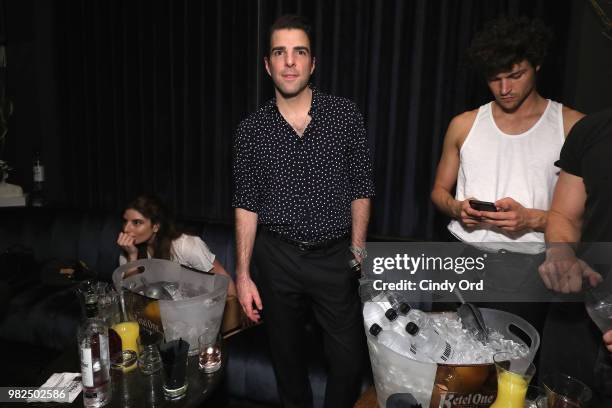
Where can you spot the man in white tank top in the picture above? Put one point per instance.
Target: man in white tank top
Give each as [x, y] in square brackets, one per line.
[504, 152]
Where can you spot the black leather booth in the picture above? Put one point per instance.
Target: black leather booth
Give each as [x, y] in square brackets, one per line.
[47, 317]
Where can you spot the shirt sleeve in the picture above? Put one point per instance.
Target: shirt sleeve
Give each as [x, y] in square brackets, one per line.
[571, 152]
[361, 174]
[244, 170]
[122, 260]
[192, 251]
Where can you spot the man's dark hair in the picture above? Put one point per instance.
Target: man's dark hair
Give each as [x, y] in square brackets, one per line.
[507, 41]
[294, 22]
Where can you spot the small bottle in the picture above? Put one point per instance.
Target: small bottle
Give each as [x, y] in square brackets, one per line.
[92, 338]
[396, 322]
[387, 300]
[37, 195]
[392, 340]
[428, 342]
[373, 313]
[414, 315]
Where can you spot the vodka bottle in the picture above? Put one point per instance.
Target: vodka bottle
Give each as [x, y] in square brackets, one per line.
[92, 338]
[428, 342]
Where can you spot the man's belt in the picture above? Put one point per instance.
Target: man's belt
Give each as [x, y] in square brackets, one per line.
[306, 245]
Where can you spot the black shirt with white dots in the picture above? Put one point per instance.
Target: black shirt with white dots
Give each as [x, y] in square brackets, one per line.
[302, 187]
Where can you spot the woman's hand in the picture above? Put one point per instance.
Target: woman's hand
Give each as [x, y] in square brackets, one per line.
[126, 242]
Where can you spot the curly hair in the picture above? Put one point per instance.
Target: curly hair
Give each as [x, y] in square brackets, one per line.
[505, 42]
[153, 208]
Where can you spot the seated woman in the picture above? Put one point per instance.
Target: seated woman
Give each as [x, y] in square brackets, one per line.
[149, 232]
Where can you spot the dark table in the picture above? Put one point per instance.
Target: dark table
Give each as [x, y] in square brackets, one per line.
[134, 389]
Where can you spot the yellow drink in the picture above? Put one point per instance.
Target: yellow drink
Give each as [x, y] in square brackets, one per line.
[129, 333]
[511, 390]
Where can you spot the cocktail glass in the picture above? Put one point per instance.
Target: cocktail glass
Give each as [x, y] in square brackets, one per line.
[513, 376]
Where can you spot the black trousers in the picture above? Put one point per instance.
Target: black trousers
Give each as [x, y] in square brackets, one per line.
[292, 281]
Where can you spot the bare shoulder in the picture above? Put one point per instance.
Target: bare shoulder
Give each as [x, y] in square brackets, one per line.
[570, 117]
[460, 126]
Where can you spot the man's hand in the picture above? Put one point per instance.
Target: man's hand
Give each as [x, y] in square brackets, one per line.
[512, 216]
[607, 338]
[563, 272]
[466, 214]
[126, 242]
[247, 294]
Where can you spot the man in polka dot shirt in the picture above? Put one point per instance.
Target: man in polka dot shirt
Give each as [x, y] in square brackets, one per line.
[303, 183]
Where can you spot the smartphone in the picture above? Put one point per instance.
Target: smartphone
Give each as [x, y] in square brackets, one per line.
[483, 205]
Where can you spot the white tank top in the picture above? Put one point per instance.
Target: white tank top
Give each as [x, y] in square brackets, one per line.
[494, 165]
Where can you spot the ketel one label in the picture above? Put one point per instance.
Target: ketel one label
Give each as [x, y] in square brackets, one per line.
[473, 400]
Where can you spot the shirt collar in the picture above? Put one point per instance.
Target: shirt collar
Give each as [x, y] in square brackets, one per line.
[314, 104]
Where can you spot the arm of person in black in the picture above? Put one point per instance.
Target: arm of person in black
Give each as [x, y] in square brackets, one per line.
[562, 271]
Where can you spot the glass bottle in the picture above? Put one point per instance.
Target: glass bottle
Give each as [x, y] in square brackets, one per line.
[37, 195]
[92, 338]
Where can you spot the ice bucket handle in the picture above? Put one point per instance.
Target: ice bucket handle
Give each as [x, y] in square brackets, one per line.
[508, 324]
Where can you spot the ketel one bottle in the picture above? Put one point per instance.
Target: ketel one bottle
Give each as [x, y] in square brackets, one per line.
[428, 342]
[92, 338]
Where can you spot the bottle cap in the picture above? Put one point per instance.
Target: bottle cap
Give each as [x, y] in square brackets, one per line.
[375, 329]
[404, 308]
[412, 328]
[391, 314]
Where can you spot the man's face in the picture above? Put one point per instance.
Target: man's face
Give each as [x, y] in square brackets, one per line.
[511, 88]
[290, 62]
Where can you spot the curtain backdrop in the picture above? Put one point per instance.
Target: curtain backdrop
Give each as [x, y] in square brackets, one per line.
[151, 91]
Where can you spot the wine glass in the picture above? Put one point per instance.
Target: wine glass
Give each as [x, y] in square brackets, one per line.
[598, 303]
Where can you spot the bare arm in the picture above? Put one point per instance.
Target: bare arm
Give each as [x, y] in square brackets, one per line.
[360, 214]
[448, 167]
[562, 271]
[570, 117]
[246, 228]
[565, 215]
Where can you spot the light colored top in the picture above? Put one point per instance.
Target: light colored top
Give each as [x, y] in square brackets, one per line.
[188, 250]
[10, 190]
[494, 165]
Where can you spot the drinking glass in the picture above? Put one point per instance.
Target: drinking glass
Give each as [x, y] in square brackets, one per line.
[513, 376]
[535, 397]
[149, 360]
[174, 368]
[563, 391]
[128, 333]
[210, 353]
[598, 303]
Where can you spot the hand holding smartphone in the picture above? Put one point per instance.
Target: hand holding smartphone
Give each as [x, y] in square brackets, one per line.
[483, 205]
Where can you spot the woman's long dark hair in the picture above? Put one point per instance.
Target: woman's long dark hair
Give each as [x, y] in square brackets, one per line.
[153, 208]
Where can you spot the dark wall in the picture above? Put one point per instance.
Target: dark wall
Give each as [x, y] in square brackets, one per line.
[144, 95]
